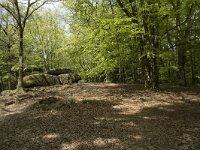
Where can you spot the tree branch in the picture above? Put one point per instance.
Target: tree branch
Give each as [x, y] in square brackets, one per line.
[4, 42]
[9, 10]
[18, 13]
[124, 9]
[29, 14]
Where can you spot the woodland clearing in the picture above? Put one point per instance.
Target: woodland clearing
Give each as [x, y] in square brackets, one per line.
[100, 116]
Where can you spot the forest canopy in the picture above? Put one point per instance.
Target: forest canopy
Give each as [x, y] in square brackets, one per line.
[149, 42]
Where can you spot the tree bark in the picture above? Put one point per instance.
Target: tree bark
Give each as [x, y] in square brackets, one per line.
[20, 86]
[9, 68]
[156, 70]
[192, 62]
[156, 46]
[181, 66]
[180, 49]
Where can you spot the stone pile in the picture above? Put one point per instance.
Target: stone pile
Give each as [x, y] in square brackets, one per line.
[52, 77]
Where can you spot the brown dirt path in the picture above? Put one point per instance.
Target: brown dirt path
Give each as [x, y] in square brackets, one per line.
[101, 117]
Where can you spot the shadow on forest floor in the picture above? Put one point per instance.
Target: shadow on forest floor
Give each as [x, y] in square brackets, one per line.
[129, 122]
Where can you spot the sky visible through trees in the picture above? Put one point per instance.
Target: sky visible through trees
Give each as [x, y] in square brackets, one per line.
[146, 42]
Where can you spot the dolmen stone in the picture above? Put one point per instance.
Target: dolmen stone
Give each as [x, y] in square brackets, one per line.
[40, 80]
[69, 78]
[52, 77]
[59, 71]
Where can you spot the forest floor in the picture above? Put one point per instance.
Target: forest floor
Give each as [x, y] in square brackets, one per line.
[101, 116]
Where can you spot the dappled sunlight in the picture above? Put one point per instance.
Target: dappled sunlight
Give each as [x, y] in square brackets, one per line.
[102, 142]
[99, 75]
[51, 136]
[72, 146]
[132, 107]
[126, 120]
[107, 119]
[136, 137]
[155, 118]
[14, 108]
[96, 143]
[166, 109]
[129, 124]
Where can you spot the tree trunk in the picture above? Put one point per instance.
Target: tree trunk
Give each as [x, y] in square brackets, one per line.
[145, 65]
[146, 72]
[9, 69]
[180, 49]
[192, 64]
[2, 83]
[181, 67]
[133, 72]
[20, 86]
[156, 46]
[45, 57]
[9, 66]
[155, 70]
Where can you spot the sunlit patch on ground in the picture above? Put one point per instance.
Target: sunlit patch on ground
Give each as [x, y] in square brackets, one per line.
[103, 142]
[51, 136]
[73, 145]
[101, 116]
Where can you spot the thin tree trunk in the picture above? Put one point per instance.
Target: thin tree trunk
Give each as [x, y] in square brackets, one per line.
[156, 46]
[9, 69]
[181, 67]
[180, 49]
[145, 67]
[192, 67]
[2, 83]
[51, 60]
[156, 70]
[133, 71]
[20, 86]
[120, 75]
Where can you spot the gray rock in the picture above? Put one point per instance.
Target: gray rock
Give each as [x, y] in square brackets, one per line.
[52, 80]
[65, 78]
[40, 80]
[69, 78]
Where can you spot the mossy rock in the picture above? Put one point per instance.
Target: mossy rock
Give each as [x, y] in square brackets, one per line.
[65, 79]
[40, 80]
[69, 78]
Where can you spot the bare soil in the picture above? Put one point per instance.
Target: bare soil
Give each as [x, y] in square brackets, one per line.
[101, 117]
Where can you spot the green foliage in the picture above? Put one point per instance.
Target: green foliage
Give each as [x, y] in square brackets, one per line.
[45, 39]
[103, 40]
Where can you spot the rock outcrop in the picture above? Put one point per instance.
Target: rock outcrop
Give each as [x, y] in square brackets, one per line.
[53, 77]
[40, 80]
[59, 71]
[69, 78]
